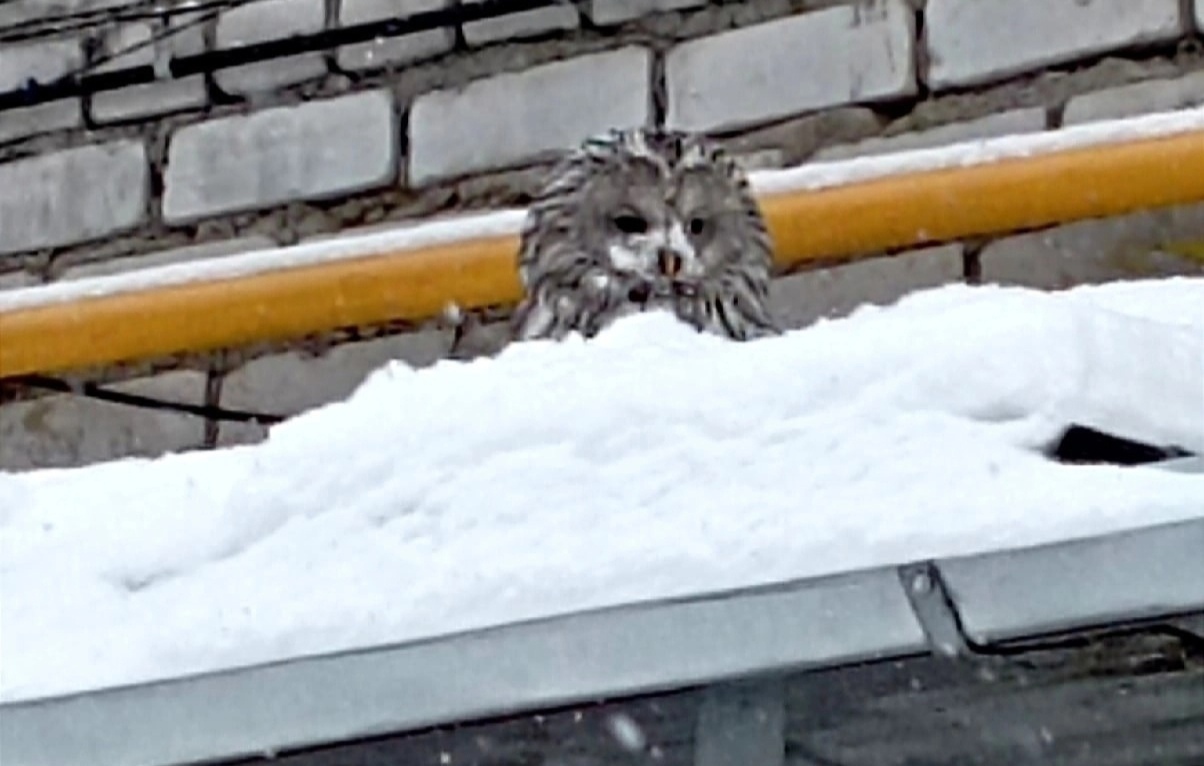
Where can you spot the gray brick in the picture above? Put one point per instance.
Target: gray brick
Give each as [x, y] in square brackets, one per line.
[14, 280]
[270, 20]
[1164, 242]
[761, 159]
[199, 252]
[1000, 124]
[393, 51]
[513, 118]
[65, 431]
[291, 383]
[522, 24]
[826, 58]
[44, 62]
[1138, 98]
[156, 98]
[316, 150]
[619, 11]
[1199, 15]
[371, 228]
[45, 118]
[977, 42]
[72, 196]
[21, 11]
[802, 298]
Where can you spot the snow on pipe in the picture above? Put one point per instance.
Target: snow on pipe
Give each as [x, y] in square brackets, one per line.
[910, 199]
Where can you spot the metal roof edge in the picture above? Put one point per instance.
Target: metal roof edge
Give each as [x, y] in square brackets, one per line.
[656, 646]
[1121, 577]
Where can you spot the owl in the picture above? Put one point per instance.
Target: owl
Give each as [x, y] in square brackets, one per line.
[645, 219]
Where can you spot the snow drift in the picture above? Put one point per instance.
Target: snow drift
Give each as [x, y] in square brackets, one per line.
[650, 462]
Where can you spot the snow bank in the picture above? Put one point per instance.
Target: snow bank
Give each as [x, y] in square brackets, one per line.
[651, 462]
[456, 228]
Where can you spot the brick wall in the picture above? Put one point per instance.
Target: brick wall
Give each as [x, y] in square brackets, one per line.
[399, 128]
[395, 129]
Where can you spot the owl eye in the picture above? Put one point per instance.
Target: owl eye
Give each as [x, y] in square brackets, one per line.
[696, 226]
[629, 223]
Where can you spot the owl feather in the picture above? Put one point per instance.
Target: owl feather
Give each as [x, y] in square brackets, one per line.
[645, 219]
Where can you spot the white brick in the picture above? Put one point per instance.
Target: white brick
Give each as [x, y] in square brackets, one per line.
[69, 431]
[315, 150]
[44, 61]
[397, 50]
[154, 98]
[72, 196]
[1155, 243]
[977, 41]
[199, 252]
[512, 118]
[522, 24]
[841, 55]
[1001, 124]
[802, 298]
[270, 20]
[1138, 98]
[290, 383]
[619, 11]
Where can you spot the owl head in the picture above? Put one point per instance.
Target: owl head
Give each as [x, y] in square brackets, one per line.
[644, 217]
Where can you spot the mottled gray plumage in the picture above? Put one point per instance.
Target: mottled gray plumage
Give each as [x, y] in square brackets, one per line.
[643, 219]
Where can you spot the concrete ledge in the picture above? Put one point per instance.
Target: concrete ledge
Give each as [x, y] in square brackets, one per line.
[653, 647]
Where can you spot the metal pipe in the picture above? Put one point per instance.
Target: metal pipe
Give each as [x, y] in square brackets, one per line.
[844, 221]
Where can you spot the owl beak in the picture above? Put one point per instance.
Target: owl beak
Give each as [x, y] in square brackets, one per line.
[670, 262]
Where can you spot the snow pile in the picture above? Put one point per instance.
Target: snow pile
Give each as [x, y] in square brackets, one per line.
[651, 462]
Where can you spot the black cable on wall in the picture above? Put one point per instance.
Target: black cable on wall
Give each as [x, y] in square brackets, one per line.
[87, 82]
[93, 391]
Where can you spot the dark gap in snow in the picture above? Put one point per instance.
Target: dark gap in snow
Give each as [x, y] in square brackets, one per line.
[1080, 444]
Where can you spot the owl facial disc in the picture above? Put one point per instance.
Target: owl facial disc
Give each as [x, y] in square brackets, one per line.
[645, 219]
